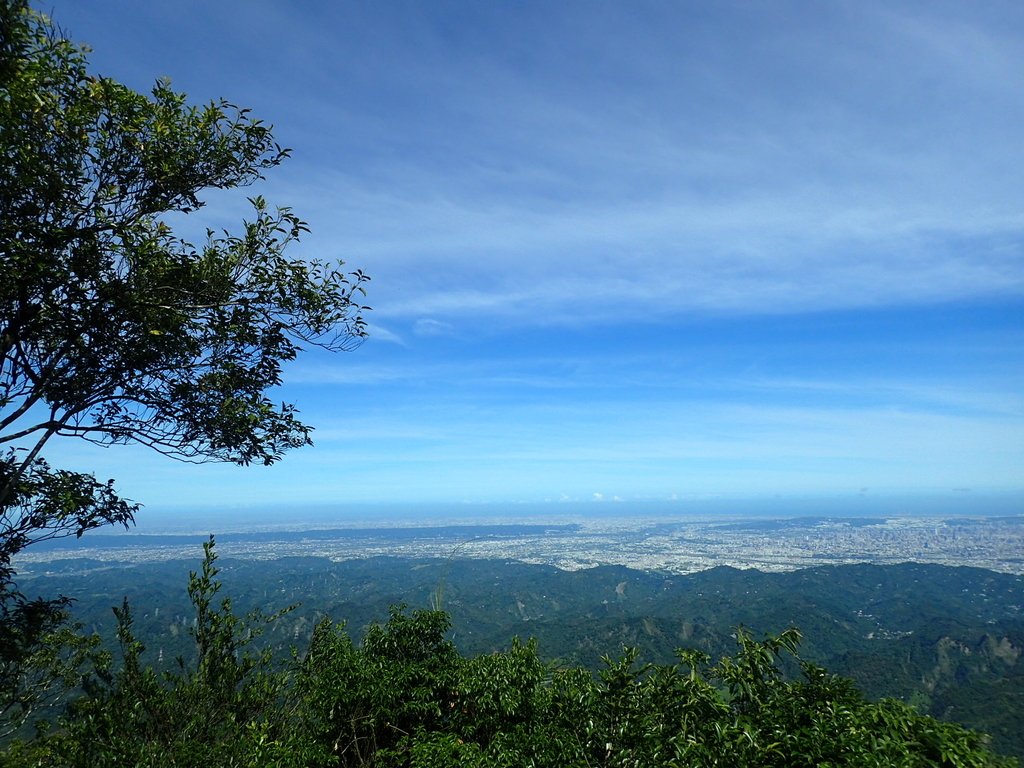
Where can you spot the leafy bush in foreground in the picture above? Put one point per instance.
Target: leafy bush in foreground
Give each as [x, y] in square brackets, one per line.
[405, 697]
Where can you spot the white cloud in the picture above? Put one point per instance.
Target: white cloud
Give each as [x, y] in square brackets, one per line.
[795, 177]
[426, 326]
[508, 168]
[654, 161]
[380, 333]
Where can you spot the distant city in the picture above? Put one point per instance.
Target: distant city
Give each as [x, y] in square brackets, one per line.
[655, 544]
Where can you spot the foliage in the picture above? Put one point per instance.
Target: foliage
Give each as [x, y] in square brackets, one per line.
[41, 661]
[405, 697]
[114, 329]
[220, 710]
[42, 504]
[953, 647]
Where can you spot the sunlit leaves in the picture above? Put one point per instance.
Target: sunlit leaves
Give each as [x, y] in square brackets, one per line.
[122, 330]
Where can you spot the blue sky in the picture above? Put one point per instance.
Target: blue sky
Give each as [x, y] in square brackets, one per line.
[625, 250]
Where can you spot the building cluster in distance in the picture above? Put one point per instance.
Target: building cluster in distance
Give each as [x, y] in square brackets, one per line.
[657, 544]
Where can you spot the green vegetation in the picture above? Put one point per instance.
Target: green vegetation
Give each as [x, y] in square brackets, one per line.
[404, 696]
[949, 640]
[113, 329]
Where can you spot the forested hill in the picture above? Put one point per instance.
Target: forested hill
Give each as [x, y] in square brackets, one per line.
[949, 640]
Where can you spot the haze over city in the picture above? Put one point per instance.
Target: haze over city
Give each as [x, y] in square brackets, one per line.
[624, 252]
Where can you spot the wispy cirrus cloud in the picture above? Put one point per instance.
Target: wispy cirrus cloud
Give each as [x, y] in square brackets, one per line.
[846, 160]
[560, 163]
[636, 250]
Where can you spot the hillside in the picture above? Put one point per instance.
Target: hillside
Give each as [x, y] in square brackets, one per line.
[949, 640]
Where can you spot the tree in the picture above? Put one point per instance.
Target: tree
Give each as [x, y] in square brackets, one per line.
[227, 706]
[115, 330]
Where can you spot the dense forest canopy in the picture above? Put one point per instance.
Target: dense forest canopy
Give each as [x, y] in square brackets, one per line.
[404, 696]
[948, 640]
